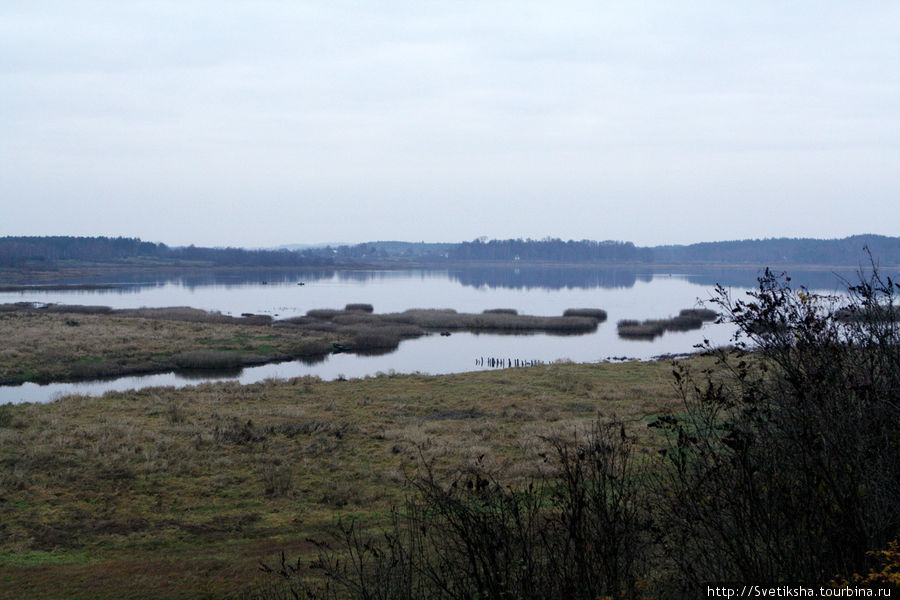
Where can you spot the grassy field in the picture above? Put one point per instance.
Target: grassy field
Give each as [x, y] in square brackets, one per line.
[178, 493]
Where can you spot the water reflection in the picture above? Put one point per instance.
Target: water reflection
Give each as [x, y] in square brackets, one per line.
[556, 277]
[133, 281]
[516, 277]
[208, 374]
[548, 278]
[823, 280]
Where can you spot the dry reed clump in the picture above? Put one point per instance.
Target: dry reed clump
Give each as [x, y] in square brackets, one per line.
[310, 347]
[8, 420]
[323, 313]
[683, 323]
[93, 370]
[171, 313]
[379, 335]
[192, 315]
[360, 307]
[292, 429]
[15, 306]
[402, 330]
[238, 433]
[354, 317]
[307, 324]
[377, 331]
[630, 328]
[595, 313]
[277, 476]
[355, 330]
[687, 320]
[77, 308]
[376, 337]
[208, 359]
[703, 314]
[339, 494]
[442, 319]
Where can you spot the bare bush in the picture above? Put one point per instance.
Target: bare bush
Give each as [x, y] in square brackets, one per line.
[579, 535]
[787, 469]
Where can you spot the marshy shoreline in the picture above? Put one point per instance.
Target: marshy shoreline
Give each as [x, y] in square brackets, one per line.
[67, 343]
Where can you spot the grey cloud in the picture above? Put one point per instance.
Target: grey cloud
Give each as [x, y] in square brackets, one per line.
[427, 120]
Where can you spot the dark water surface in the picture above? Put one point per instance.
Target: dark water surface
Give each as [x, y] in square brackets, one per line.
[623, 293]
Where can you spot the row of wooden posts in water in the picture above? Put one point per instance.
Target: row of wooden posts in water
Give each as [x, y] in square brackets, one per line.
[506, 363]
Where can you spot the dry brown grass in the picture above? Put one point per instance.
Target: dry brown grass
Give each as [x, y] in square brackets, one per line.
[99, 485]
[595, 313]
[687, 319]
[362, 307]
[378, 332]
[491, 321]
[705, 314]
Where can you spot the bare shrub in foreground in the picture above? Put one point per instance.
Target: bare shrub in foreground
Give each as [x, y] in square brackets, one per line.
[782, 465]
[788, 468]
[579, 535]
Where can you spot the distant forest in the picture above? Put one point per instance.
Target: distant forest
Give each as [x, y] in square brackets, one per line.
[60, 251]
[554, 250]
[846, 252]
[784, 251]
[55, 251]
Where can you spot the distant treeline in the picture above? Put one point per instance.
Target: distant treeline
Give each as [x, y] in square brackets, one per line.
[550, 249]
[392, 250]
[806, 251]
[849, 252]
[49, 252]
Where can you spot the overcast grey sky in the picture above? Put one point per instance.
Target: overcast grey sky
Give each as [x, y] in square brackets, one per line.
[265, 123]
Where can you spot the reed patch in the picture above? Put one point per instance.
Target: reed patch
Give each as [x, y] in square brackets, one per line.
[688, 319]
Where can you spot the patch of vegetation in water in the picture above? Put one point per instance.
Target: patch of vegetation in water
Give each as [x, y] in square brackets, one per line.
[649, 329]
[41, 347]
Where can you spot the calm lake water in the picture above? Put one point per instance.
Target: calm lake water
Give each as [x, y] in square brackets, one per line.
[623, 293]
